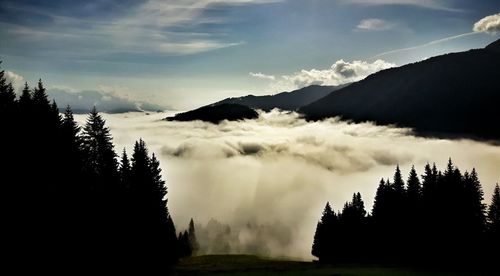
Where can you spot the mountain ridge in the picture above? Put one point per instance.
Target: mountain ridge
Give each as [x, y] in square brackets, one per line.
[289, 101]
[216, 113]
[454, 94]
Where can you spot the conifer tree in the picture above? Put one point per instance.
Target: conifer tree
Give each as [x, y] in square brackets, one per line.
[494, 214]
[358, 205]
[7, 96]
[3, 80]
[25, 99]
[125, 169]
[69, 125]
[100, 158]
[323, 244]
[414, 189]
[379, 210]
[399, 184]
[40, 98]
[193, 241]
[150, 213]
[474, 219]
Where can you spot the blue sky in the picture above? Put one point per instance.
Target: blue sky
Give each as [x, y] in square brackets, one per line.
[185, 53]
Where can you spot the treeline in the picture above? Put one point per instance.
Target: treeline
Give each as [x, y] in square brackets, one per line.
[440, 220]
[68, 199]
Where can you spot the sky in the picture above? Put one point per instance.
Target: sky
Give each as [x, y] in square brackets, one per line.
[186, 53]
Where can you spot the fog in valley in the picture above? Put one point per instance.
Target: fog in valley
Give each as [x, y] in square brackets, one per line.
[259, 186]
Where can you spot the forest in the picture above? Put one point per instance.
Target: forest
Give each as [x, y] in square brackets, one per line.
[71, 198]
[440, 220]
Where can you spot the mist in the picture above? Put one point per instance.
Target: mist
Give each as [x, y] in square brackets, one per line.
[268, 179]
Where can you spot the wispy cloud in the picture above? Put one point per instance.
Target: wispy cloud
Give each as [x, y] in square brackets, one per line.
[193, 47]
[260, 75]
[375, 24]
[428, 4]
[437, 41]
[489, 24]
[153, 27]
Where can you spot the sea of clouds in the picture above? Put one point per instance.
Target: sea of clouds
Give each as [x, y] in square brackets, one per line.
[259, 186]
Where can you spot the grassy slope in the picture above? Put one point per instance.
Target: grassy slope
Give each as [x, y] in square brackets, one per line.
[253, 266]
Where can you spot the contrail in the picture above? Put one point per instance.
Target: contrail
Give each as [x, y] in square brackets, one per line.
[424, 45]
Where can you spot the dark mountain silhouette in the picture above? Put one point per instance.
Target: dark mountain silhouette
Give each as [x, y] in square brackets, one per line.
[285, 100]
[495, 46]
[216, 113]
[454, 95]
[243, 107]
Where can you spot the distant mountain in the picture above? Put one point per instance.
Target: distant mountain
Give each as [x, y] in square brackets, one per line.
[455, 94]
[82, 102]
[217, 113]
[285, 100]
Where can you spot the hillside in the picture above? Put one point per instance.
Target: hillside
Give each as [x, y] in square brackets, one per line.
[456, 95]
[217, 113]
[285, 100]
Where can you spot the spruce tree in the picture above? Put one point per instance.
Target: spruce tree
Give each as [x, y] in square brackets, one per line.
[152, 220]
[324, 237]
[358, 205]
[69, 125]
[399, 184]
[474, 219]
[25, 99]
[379, 210]
[193, 241]
[40, 98]
[413, 231]
[414, 189]
[125, 169]
[494, 214]
[100, 158]
[7, 97]
[3, 80]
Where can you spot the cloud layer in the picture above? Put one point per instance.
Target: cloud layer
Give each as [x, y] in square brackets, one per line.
[341, 72]
[275, 173]
[489, 24]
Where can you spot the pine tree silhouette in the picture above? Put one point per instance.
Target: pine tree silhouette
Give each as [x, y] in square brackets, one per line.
[150, 213]
[70, 197]
[324, 238]
[414, 190]
[100, 159]
[125, 170]
[25, 98]
[494, 218]
[193, 241]
[414, 227]
[439, 222]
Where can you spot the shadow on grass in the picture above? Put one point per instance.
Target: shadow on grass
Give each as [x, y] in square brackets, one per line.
[252, 266]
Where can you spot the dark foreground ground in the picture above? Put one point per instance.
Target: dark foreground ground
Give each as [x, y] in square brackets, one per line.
[253, 266]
